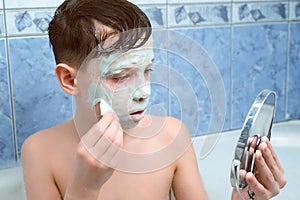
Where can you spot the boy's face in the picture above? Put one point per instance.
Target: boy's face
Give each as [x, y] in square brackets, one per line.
[122, 80]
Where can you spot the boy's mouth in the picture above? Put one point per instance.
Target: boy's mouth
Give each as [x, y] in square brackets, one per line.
[137, 115]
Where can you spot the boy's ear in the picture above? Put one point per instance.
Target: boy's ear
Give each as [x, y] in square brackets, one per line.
[66, 76]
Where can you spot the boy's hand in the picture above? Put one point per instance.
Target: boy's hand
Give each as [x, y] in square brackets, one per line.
[268, 178]
[100, 144]
[94, 160]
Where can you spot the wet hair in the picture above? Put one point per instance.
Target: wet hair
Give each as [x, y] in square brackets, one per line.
[73, 35]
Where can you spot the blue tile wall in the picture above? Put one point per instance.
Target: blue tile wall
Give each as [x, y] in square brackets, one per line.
[259, 54]
[293, 103]
[215, 41]
[38, 100]
[189, 95]
[6, 133]
[159, 86]
[252, 45]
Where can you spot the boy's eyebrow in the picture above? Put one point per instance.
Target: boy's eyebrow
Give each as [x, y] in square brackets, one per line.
[124, 67]
[118, 71]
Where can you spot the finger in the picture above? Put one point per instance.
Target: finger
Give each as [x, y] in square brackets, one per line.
[103, 151]
[242, 175]
[272, 164]
[265, 174]
[247, 159]
[97, 130]
[274, 155]
[113, 129]
[108, 145]
[255, 186]
[109, 158]
[107, 140]
[119, 138]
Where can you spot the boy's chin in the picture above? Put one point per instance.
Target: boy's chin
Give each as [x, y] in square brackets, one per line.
[132, 120]
[130, 123]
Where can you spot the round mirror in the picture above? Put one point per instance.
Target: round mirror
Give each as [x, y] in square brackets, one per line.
[258, 123]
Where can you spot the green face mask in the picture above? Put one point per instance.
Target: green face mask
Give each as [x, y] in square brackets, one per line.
[121, 82]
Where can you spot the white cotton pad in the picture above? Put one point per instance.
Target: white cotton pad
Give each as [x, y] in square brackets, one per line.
[104, 106]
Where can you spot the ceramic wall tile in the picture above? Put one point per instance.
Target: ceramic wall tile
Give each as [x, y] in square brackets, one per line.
[55, 3]
[294, 73]
[31, 3]
[259, 62]
[198, 14]
[145, 2]
[156, 14]
[159, 101]
[38, 100]
[6, 134]
[186, 89]
[159, 104]
[294, 10]
[216, 43]
[196, 1]
[24, 22]
[245, 1]
[2, 26]
[260, 12]
[28, 22]
[214, 62]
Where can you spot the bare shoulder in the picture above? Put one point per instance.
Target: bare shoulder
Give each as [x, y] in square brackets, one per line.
[45, 156]
[45, 139]
[45, 143]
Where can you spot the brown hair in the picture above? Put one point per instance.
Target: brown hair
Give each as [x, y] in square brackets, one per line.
[72, 30]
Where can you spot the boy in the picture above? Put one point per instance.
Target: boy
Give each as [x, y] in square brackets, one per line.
[120, 154]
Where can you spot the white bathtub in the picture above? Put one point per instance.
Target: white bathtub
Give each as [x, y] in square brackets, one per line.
[11, 184]
[215, 168]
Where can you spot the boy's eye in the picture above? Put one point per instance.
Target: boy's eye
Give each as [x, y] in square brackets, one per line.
[121, 78]
[147, 71]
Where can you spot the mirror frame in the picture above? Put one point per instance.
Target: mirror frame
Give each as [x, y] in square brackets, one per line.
[265, 97]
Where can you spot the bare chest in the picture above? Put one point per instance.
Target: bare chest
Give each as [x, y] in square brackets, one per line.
[122, 186]
[129, 186]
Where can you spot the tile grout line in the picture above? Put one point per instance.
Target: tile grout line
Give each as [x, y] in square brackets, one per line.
[286, 115]
[168, 57]
[10, 88]
[231, 71]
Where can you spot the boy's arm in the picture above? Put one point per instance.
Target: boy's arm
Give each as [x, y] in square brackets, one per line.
[187, 184]
[39, 183]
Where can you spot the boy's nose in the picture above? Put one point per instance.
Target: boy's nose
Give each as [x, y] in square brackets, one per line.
[142, 93]
[141, 99]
